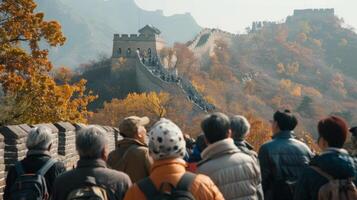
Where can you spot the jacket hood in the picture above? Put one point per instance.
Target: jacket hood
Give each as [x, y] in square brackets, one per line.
[335, 162]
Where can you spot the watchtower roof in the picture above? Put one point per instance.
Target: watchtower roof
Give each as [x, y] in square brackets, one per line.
[150, 29]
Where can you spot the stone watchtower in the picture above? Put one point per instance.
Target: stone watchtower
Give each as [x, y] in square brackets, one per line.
[148, 43]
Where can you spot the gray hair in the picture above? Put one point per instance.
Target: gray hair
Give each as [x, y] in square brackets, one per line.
[90, 142]
[240, 127]
[39, 138]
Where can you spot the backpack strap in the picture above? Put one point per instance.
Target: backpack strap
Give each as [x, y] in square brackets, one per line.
[147, 187]
[322, 173]
[46, 167]
[19, 168]
[186, 181]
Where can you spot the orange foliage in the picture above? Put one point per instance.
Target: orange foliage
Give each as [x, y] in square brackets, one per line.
[25, 73]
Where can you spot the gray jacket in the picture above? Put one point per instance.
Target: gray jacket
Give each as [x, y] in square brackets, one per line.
[116, 182]
[236, 174]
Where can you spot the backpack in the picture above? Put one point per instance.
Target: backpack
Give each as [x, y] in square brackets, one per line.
[90, 190]
[180, 192]
[336, 189]
[31, 186]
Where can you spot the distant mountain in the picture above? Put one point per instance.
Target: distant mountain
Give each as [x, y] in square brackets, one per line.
[89, 26]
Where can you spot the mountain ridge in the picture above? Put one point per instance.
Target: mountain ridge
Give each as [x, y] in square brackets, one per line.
[89, 26]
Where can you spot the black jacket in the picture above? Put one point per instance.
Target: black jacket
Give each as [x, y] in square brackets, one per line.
[335, 162]
[282, 159]
[31, 164]
[117, 182]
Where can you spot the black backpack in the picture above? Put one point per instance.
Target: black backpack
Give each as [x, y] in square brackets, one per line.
[180, 192]
[31, 186]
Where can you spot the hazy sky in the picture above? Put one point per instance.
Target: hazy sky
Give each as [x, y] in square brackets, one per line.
[235, 15]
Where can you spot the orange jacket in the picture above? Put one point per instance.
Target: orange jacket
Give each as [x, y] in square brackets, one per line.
[171, 170]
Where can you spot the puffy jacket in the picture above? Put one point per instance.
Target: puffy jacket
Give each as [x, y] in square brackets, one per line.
[335, 162]
[131, 157]
[171, 171]
[33, 162]
[115, 181]
[282, 159]
[236, 174]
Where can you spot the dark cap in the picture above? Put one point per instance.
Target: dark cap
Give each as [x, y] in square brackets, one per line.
[129, 126]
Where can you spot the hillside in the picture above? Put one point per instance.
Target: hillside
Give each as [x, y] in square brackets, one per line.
[306, 64]
[89, 26]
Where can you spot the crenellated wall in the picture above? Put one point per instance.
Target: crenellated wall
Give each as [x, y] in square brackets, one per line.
[13, 147]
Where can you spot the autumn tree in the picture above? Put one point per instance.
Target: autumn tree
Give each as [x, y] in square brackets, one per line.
[152, 104]
[24, 69]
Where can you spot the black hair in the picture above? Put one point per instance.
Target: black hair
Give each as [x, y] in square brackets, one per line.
[215, 127]
[286, 120]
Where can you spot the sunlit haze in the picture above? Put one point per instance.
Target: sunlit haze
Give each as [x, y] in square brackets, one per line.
[235, 15]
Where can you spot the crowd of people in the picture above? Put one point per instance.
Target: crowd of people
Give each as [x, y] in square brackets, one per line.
[164, 162]
[153, 64]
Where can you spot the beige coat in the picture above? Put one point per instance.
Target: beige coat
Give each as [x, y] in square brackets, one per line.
[236, 174]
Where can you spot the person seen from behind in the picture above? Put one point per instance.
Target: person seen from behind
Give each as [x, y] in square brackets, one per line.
[236, 174]
[333, 163]
[353, 131]
[167, 148]
[283, 158]
[91, 179]
[132, 155]
[240, 129]
[21, 178]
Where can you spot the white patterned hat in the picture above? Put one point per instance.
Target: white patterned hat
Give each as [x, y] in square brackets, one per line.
[166, 140]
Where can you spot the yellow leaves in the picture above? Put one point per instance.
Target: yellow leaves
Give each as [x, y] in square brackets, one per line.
[293, 88]
[25, 74]
[296, 91]
[310, 91]
[285, 84]
[154, 105]
[199, 87]
[280, 68]
[290, 69]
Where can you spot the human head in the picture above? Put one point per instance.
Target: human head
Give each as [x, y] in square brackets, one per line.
[166, 140]
[216, 127]
[39, 138]
[353, 131]
[283, 121]
[240, 127]
[134, 127]
[332, 132]
[200, 142]
[91, 143]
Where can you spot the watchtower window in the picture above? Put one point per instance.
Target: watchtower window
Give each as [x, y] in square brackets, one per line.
[149, 52]
[128, 52]
[119, 51]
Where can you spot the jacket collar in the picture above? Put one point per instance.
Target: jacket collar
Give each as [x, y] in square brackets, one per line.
[243, 143]
[33, 152]
[167, 166]
[91, 163]
[284, 135]
[219, 148]
[129, 141]
[334, 150]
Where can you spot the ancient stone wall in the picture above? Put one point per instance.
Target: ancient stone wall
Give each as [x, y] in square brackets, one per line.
[147, 82]
[13, 147]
